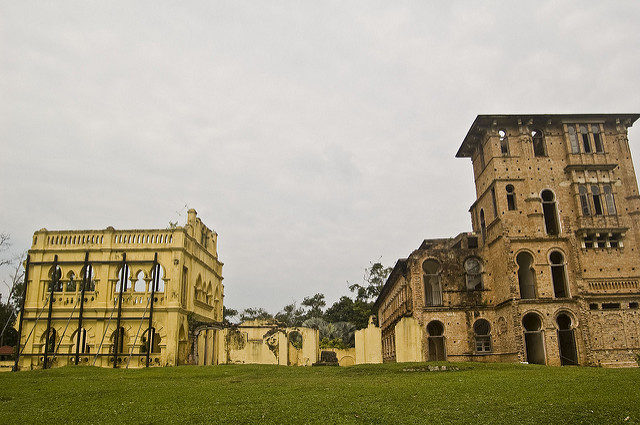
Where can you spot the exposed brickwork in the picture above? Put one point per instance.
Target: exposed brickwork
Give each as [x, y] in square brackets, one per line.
[571, 206]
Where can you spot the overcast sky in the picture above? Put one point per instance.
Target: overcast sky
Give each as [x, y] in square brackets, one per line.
[314, 136]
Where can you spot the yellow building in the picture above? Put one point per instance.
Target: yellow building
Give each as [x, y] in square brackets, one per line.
[188, 293]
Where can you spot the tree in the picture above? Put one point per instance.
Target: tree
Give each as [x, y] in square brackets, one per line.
[228, 313]
[291, 315]
[348, 310]
[374, 278]
[315, 305]
[255, 314]
[15, 286]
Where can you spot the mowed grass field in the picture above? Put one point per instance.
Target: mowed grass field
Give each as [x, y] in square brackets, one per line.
[365, 394]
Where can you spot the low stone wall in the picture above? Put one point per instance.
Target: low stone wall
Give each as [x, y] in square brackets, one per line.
[346, 357]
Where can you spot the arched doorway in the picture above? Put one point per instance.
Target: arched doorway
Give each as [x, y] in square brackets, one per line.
[435, 340]
[534, 344]
[566, 340]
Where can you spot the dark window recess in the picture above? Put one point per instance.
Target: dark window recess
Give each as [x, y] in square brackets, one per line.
[538, 143]
[550, 212]
[493, 200]
[589, 241]
[593, 306]
[597, 201]
[610, 306]
[504, 142]
[584, 201]
[511, 197]
[584, 133]
[633, 305]
[597, 139]
[558, 275]
[472, 243]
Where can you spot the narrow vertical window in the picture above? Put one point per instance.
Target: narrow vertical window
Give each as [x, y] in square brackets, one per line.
[597, 138]
[483, 227]
[504, 142]
[494, 202]
[432, 288]
[608, 196]
[550, 212]
[481, 155]
[511, 197]
[573, 139]
[558, 275]
[584, 201]
[584, 133]
[597, 200]
[526, 275]
[538, 143]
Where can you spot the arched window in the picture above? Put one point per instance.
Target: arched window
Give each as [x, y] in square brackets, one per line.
[154, 343]
[573, 139]
[483, 226]
[209, 294]
[511, 197]
[71, 282]
[91, 283]
[123, 278]
[482, 332]
[473, 269]
[55, 279]
[435, 341]
[526, 275]
[504, 142]
[584, 201]
[199, 289]
[597, 140]
[49, 341]
[586, 144]
[608, 196]
[432, 288]
[566, 340]
[558, 275]
[597, 201]
[81, 339]
[550, 211]
[117, 340]
[160, 283]
[141, 284]
[533, 341]
[539, 149]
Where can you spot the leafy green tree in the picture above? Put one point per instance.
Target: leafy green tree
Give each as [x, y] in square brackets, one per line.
[373, 280]
[255, 314]
[291, 315]
[315, 304]
[228, 313]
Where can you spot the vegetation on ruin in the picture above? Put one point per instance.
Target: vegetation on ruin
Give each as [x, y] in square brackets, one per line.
[371, 394]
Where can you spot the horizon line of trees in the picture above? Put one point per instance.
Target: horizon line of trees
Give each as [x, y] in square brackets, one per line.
[337, 323]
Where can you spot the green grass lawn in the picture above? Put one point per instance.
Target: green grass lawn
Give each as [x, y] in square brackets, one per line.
[384, 394]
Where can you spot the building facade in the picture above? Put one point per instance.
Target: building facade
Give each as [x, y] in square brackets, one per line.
[144, 293]
[550, 273]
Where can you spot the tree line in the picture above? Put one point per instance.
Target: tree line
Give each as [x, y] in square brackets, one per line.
[337, 323]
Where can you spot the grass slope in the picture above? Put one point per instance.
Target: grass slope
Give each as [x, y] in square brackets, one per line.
[383, 394]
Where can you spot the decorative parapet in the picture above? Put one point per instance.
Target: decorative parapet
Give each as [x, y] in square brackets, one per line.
[613, 285]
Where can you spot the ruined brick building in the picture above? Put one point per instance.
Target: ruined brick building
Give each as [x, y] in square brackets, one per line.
[550, 273]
